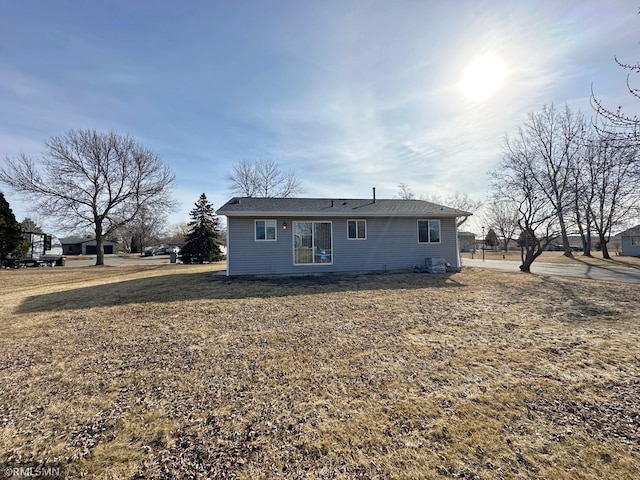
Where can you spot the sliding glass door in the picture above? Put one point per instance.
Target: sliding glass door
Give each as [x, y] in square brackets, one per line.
[312, 243]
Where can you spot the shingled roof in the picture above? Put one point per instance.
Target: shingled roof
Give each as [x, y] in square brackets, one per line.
[335, 207]
[632, 232]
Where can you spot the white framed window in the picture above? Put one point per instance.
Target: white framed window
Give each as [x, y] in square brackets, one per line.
[265, 230]
[428, 231]
[356, 229]
[635, 241]
[312, 243]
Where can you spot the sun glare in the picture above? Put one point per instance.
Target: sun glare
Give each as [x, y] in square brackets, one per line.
[482, 78]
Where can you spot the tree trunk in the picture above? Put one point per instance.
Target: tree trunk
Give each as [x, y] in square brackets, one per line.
[528, 260]
[587, 245]
[565, 237]
[585, 234]
[604, 248]
[528, 253]
[526, 265]
[99, 244]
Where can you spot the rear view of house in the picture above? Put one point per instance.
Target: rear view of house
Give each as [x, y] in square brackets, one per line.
[315, 235]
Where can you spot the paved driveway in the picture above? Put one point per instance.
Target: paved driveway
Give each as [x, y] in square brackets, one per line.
[614, 274]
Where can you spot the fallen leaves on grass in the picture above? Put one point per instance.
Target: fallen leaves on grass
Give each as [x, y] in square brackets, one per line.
[473, 375]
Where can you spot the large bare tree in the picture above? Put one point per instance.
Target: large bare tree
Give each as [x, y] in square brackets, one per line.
[91, 179]
[620, 129]
[263, 178]
[608, 187]
[553, 138]
[514, 182]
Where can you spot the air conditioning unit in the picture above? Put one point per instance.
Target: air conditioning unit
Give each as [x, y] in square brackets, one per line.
[435, 265]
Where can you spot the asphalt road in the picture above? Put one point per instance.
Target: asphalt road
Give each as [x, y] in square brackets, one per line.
[613, 274]
[115, 260]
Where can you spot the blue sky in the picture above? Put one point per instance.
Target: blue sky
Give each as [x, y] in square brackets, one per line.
[349, 94]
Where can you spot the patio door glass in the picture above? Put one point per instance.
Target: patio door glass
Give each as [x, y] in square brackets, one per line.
[312, 242]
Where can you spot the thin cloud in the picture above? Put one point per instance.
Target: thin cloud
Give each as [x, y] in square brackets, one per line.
[350, 95]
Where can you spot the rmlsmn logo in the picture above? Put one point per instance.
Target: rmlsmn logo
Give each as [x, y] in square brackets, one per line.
[39, 472]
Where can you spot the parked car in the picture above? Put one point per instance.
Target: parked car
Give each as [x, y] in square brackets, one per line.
[149, 252]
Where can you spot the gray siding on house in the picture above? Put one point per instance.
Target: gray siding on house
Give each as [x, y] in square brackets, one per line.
[626, 241]
[628, 249]
[391, 244]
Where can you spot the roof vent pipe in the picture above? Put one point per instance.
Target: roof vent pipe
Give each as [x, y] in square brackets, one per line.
[374, 194]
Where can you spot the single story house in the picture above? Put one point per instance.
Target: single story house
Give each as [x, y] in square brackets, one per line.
[315, 235]
[630, 242]
[86, 246]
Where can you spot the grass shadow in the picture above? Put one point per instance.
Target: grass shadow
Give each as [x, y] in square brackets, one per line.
[563, 295]
[208, 286]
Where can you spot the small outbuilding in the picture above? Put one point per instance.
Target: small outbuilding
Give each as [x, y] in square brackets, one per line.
[630, 242]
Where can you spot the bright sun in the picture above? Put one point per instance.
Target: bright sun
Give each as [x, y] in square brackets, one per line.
[482, 78]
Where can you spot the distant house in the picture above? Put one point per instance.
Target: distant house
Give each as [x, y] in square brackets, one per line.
[85, 246]
[314, 235]
[466, 241]
[630, 242]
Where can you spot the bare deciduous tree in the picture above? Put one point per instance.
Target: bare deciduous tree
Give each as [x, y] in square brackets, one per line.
[404, 192]
[608, 120]
[91, 179]
[30, 225]
[263, 178]
[458, 200]
[610, 186]
[515, 184]
[554, 140]
[502, 216]
[145, 230]
[619, 130]
[177, 233]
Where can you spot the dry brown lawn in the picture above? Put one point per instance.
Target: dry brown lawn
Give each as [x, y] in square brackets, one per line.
[173, 372]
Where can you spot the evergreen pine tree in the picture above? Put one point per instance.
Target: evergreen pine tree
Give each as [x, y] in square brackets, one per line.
[11, 240]
[202, 239]
[492, 238]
